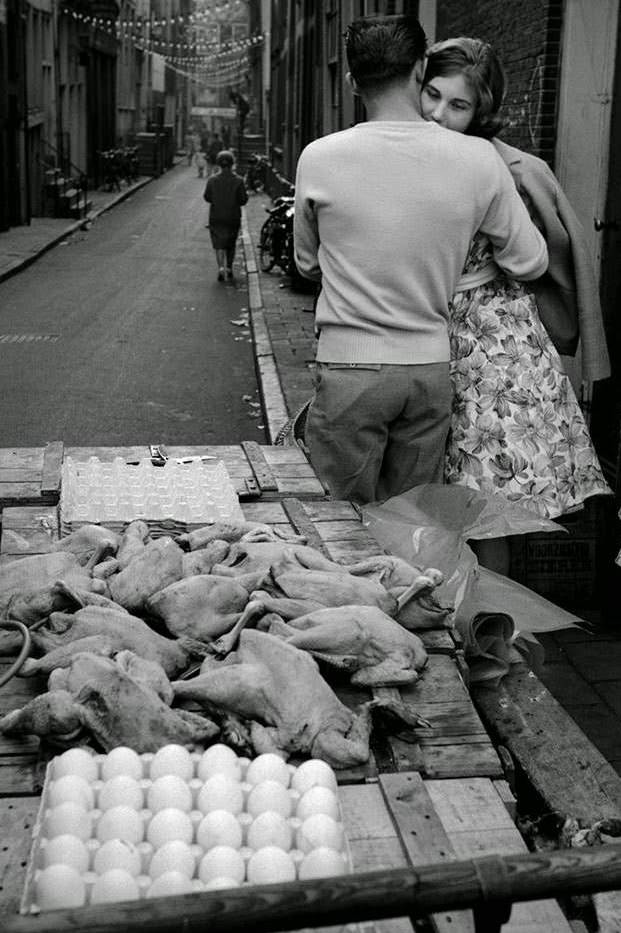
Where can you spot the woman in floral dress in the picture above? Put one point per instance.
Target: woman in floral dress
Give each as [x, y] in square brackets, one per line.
[517, 428]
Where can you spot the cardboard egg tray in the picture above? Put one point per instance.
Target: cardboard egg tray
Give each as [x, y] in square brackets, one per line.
[84, 806]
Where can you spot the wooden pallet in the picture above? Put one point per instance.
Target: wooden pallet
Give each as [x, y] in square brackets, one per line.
[32, 476]
[399, 821]
[456, 743]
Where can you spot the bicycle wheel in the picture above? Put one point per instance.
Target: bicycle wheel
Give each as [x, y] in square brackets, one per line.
[267, 260]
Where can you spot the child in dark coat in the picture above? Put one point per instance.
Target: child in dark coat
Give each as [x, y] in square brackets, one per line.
[225, 193]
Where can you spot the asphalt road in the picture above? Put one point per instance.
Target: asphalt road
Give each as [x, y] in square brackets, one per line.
[122, 334]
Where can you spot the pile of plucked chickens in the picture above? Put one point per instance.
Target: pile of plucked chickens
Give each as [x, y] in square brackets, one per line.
[222, 632]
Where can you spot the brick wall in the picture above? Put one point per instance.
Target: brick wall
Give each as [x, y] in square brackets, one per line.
[526, 35]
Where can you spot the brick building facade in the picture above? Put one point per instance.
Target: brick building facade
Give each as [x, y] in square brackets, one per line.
[527, 37]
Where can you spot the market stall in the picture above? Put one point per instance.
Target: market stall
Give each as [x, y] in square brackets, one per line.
[434, 793]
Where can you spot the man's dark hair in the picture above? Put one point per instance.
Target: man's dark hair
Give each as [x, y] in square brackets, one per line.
[383, 50]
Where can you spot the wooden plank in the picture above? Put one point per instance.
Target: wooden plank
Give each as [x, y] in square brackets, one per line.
[52, 468]
[476, 822]
[303, 525]
[20, 774]
[423, 836]
[373, 840]
[561, 764]
[17, 818]
[29, 530]
[259, 466]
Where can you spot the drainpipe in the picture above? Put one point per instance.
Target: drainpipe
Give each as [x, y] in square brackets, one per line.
[58, 102]
[23, 14]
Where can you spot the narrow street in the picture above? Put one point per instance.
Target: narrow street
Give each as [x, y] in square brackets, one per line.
[122, 335]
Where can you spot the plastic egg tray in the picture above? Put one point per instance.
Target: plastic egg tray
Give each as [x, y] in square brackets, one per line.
[125, 826]
[199, 492]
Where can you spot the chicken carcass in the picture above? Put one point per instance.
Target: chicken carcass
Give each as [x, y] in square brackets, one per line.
[116, 702]
[90, 544]
[202, 561]
[290, 707]
[252, 557]
[201, 607]
[132, 542]
[156, 566]
[378, 651]
[104, 632]
[415, 588]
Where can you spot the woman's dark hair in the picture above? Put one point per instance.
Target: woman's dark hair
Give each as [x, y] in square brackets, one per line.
[480, 66]
[225, 157]
[382, 50]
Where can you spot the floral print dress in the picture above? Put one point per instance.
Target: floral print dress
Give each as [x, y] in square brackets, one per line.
[516, 426]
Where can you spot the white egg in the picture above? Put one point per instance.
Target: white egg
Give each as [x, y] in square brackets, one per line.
[318, 800]
[172, 759]
[169, 884]
[71, 787]
[269, 829]
[322, 863]
[218, 759]
[76, 761]
[122, 760]
[173, 856]
[116, 884]
[222, 861]
[221, 793]
[215, 884]
[121, 823]
[59, 886]
[219, 828]
[312, 773]
[270, 865]
[68, 818]
[268, 767]
[320, 830]
[169, 790]
[117, 853]
[269, 795]
[65, 850]
[169, 824]
[120, 791]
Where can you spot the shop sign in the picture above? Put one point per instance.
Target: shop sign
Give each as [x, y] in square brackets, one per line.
[223, 112]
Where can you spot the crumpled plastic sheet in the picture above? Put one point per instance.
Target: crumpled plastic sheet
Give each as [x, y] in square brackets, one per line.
[429, 526]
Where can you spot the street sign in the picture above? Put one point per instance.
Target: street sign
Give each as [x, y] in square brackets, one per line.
[230, 112]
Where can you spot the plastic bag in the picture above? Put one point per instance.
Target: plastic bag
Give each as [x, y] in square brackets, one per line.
[429, 526]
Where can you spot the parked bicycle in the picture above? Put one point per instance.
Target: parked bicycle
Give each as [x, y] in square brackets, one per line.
[276, 238]
[256, 174]
[120, 164]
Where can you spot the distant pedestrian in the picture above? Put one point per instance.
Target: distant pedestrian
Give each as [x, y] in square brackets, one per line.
[214, 147]
[225, 193]
[190, 147]
[225, 133]
[201, 163]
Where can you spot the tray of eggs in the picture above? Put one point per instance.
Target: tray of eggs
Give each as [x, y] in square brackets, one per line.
[124, 826]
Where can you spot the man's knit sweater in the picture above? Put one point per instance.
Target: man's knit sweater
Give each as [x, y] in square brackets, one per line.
[385, 213]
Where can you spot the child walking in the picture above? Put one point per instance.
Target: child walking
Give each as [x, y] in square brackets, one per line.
[225, 193]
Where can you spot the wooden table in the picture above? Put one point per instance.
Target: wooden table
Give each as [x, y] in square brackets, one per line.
[439, 797]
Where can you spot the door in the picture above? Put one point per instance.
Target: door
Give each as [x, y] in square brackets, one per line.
[588, 165]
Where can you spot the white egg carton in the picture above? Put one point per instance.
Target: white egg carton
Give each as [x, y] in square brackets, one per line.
[110, 827]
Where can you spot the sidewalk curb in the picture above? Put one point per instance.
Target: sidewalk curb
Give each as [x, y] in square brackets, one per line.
[23, 263]
[270, 387]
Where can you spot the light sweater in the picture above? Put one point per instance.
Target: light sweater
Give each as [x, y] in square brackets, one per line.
[384, 216]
